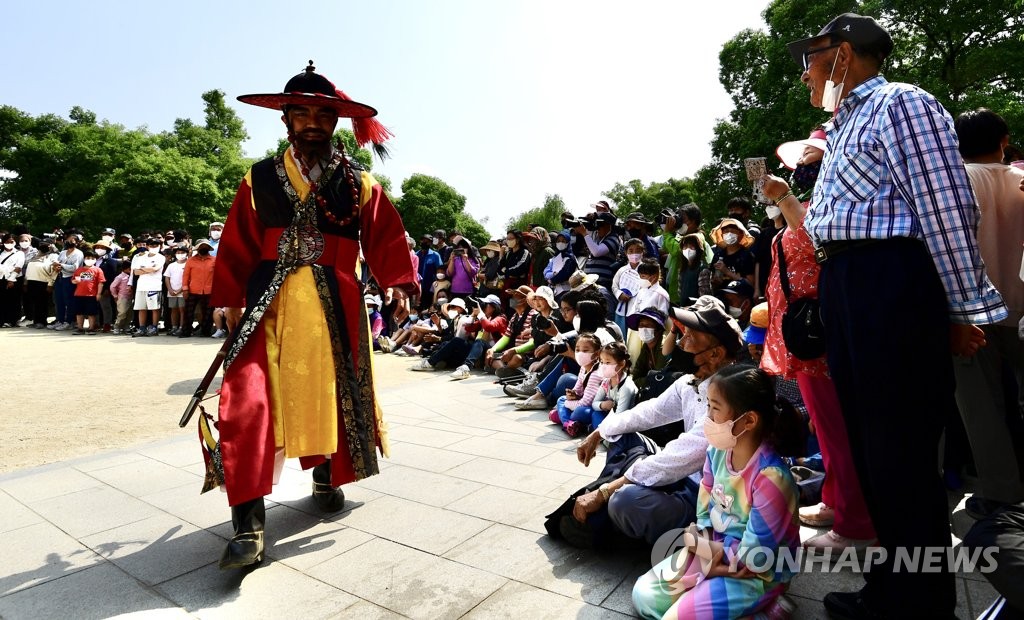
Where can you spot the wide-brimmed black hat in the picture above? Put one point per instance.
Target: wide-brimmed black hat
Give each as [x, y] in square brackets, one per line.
[311, 88]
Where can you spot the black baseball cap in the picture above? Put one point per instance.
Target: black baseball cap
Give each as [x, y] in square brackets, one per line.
[861, 31]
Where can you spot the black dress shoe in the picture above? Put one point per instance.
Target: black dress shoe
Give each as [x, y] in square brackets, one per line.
[246, 546]
[327, 497]
[849, 606]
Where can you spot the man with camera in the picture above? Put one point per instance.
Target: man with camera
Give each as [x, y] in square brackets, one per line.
[603, 248]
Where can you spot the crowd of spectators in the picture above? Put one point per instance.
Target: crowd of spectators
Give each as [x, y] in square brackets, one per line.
[654, 339]
[152, 284]
[634, 334]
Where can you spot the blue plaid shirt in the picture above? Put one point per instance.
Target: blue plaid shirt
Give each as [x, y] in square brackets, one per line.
[892, 169]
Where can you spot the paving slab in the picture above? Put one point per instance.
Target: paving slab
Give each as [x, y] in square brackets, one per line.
[537, 560]
[420, 486]
[93, 510]
[408, 581]
[426, 458]
[515, 476]
[518, 600]
[103, 591]
[39, 553]
[271, 591]
[420, 526]
[15, 514]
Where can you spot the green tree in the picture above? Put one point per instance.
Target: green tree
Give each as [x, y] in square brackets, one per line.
[964, 53]
[548, 215]
[650, 199]
[428, 203]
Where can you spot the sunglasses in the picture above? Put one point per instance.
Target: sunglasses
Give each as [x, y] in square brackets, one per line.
[811, 52]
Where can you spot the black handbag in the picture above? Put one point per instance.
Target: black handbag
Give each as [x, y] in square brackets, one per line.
[802, 328]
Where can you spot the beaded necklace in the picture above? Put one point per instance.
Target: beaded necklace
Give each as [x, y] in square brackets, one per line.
[327, 172]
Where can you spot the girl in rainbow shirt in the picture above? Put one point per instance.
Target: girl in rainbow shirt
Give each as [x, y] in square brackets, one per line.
[729, 565]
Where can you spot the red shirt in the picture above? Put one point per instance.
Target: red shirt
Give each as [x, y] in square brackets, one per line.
[802, 271]
[87, 281]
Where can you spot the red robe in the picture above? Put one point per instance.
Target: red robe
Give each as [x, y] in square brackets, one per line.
[248, 249]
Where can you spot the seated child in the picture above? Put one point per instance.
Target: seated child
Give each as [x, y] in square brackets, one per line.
[746, 509]
[573, 410]
[617, 391]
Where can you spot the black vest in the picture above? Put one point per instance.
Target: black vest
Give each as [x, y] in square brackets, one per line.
[275, 209]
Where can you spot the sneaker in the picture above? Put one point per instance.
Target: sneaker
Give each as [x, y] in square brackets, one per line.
[53, 325]
[78, 332]
[63, 327]
[462, 372]
[978, 507]
[400, 353]
[525, 389]
[423, 366]
[836, 543]
[410, 350]
[817, 516]
[153, 331]
[220, 333]
[115, 331]
[553, 417]
[385, 344]
[537, 401]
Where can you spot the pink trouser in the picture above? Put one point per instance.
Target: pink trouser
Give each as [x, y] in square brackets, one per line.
[841, 489]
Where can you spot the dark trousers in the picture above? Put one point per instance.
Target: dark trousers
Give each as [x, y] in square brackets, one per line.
[452, 353]
[37, 302]
[63, 299]
[10, 301]
[887, 325]
[205, 321]
[1004, 530]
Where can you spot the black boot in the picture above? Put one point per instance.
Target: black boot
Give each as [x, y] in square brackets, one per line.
[327, 497]
[246, 546]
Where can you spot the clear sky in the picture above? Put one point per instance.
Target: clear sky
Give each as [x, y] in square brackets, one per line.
[505, 101]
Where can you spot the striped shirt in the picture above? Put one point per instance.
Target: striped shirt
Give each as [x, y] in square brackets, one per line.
[604, 254]
[892, 169]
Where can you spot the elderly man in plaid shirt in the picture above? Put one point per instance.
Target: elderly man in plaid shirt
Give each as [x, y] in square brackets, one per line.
[894, 222]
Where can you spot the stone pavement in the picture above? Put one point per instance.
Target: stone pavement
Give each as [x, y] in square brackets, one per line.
[452, 527]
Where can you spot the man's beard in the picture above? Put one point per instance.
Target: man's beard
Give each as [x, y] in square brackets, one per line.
[312, 146]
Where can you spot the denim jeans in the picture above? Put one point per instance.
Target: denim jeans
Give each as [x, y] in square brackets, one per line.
[63, 299]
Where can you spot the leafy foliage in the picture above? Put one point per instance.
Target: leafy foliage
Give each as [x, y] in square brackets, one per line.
[85, 173]
[548, 215]
[428, 203]
[650, 199]
[967, 54]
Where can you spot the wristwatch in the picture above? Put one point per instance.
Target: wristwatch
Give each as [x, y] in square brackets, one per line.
[605, 491]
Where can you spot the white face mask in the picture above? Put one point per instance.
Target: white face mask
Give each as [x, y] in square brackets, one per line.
[153, 250]
[561, 246]
[646, 334]
[100, 252]
[645, 284]
[181, 257]
[730, 238]
[8, 246]
[689, 253]
[25, 244]
[833, 92]
[452, 314]
[89, 262]
[634, 258]
[719, 435]
[584, 358]
[735, 312]
[772, 211]
[441, 276]
[491, 253]
[215, 234]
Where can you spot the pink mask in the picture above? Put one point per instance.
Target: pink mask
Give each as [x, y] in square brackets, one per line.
[719, 435]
